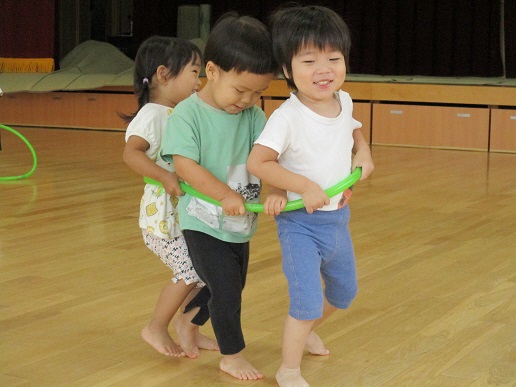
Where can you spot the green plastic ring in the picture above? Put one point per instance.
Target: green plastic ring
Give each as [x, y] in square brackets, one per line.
[32, 151]
[258, 207]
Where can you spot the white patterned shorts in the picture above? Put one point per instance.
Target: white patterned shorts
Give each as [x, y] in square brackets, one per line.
[174, 254]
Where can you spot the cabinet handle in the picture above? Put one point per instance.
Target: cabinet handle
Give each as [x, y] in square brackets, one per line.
[463, 115]
[92, 99]
[396, 111]
[56, 98]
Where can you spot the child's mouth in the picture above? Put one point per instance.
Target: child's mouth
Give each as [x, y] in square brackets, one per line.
[323, 83]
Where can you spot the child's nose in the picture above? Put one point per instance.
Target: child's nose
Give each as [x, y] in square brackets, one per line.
[324, 68]
[246, 98]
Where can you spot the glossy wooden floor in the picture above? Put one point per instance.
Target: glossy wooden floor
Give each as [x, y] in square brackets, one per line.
[435, 239]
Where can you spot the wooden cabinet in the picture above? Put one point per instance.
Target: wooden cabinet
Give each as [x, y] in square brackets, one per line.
[431, 126]
[416, 115]
[9, 111]
[51, 109]
[269, 105]
[38, 109]
[67, 109]
[100, 110]
[503, 130]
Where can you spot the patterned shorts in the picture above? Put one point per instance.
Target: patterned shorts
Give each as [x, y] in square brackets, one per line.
[174, 254]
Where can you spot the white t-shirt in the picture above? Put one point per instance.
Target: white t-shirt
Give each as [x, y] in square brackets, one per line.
[311, 145]
[158, 214]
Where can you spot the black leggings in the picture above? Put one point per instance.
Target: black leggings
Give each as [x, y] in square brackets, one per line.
[223, 268]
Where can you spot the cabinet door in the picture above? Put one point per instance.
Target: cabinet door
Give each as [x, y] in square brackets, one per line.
[100, 110]
[38, 109]
[503, 130]
[269, 105]
[54, 109]
[11, 108]
[431, 126]
[401, 125]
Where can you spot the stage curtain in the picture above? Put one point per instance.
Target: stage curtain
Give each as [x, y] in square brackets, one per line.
[510, 39]
[398, 37]
[431, 38]
[27, 28]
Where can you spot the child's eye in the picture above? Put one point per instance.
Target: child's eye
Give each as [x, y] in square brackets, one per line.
[335, 59]
[308, 61]
[239, 91]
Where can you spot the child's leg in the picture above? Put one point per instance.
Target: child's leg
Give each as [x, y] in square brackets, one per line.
[190, 338]
[295, 335]
[338, 272]
[223, 267]
[314, 344]
[299, 335]
[156, 332]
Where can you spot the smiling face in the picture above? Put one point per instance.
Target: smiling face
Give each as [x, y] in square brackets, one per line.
[317, 73]
[232, 91]
[170, 90]
[187, 82]
[181, 87]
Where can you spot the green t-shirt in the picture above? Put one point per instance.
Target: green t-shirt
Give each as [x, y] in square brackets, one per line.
[221, 143]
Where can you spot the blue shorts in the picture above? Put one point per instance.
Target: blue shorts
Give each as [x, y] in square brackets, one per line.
[313, 246]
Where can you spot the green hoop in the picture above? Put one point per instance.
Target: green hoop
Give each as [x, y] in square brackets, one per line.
[32, 151]
[258, 207]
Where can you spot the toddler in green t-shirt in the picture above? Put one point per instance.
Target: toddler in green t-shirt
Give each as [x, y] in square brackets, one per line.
[209, 136]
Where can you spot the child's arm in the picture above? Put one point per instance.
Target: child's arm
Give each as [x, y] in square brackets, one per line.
[134, 156]
[203, 181]
[263, 163]
[362, 154]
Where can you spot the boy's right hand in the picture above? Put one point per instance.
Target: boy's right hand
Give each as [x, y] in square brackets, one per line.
[233, 203]
[314, 197]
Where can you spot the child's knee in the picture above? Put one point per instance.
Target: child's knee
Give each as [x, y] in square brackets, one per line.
[342, 296]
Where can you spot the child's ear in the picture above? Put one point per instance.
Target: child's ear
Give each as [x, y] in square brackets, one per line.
[162, 73]
[211, 70]
[285, 72]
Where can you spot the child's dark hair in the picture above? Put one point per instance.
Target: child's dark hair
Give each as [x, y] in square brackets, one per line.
[173, 53]
[240, 43]
[294, 26]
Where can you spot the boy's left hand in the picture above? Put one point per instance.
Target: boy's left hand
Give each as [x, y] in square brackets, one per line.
[233, 204]
[170, 182]
[275, 201]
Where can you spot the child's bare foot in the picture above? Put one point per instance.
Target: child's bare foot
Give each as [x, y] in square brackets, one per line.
[186, 334]
[205, 342]
[238, 367]
[190, 338]
[162, 342]
[290, 377]
[315, 346]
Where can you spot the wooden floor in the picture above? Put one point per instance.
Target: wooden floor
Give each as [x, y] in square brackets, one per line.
[435, 239]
